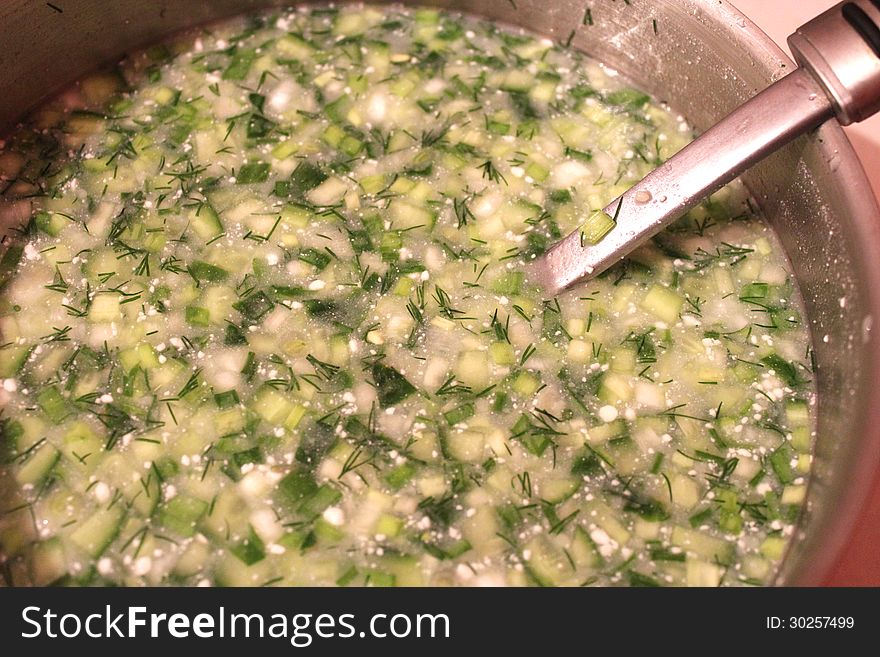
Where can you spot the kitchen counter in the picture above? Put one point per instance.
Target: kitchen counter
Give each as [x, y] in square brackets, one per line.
[859, 564]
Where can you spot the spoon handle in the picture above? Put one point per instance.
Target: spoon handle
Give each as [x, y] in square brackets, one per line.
[839, 75]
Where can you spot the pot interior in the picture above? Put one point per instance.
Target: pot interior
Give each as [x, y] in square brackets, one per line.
[704, 59]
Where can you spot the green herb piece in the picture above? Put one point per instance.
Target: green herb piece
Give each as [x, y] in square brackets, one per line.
[391, 386]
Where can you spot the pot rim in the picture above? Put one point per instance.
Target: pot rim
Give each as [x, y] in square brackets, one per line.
[862, 206]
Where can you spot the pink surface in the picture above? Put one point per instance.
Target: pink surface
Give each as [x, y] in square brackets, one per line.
[859, 564]
[779, 19]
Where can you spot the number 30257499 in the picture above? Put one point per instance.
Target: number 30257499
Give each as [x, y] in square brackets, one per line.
[810, 622]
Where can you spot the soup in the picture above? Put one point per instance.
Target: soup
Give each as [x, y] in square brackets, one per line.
[268, 324]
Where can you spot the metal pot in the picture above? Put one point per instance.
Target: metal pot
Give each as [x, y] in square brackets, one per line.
[704, 58]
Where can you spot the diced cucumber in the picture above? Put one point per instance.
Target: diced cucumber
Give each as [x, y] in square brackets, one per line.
[48, 562]
[274, 407]
[249, 550]
[703, 574]
[323, 497]
[517, 81]
[545, 563]
[780, 461]
[297, 486]
[80, 442]
[204, 271]
[12, 357]
[558, 490]
[105, 308]
[459, 414]
[526, 384]
[294, 47]
[37, 466]
[197, 316]
[773, 547]
[328, 192]
[631, 99]
[391, 386]
[466, 446]
[252, 172]
[502, 353]
[784, 370]
[51, 223]
[255, 306]
[9, 262]
[401, 475]
[663, 303]
[53, 404]
[95, 534]
[472, 369]
[509, 284]
[240, 64]
[710, 548]
[583, 550]
[181, 514]
[596, 227]
[205, 222]
[406, 215]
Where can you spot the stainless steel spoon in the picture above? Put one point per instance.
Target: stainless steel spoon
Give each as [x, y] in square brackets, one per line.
[839, 75]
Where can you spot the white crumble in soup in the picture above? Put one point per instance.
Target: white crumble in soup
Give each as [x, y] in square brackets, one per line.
[267, 323]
